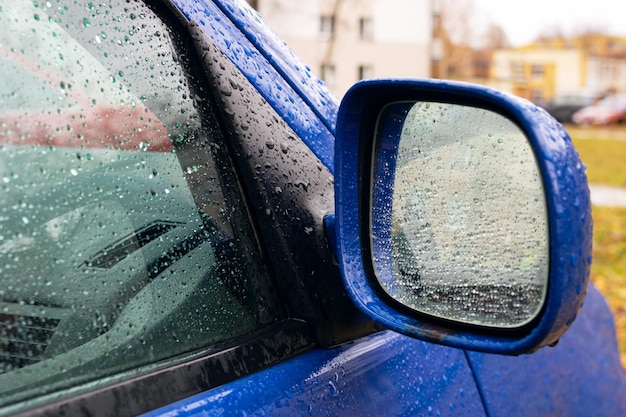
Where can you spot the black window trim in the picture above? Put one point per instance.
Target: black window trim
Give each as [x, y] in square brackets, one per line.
[139, 390]
[167, 383]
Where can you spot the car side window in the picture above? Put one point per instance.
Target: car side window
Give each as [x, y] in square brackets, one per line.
[124, 242]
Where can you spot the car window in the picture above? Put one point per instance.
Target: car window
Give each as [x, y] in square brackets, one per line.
[124, 243]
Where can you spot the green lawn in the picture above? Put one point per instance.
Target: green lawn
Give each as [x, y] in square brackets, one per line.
[608, 270]
[606, 164]
[605, 160]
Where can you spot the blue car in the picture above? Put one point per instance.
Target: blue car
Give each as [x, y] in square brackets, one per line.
[192, 225]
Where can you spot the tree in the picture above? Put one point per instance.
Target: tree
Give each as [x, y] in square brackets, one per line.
[467, 48]
[495, 38]
[454, 32]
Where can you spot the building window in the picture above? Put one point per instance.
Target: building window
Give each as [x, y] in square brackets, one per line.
[328, 74]
[365, 72]
[536, 96]
[437, 49]
[517, 70]
[366, 26]
[436, 21]
[537, 71]
[327, 26]
[437, 7]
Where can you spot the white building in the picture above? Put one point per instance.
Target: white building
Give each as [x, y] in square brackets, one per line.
[607, 73]
[344, 41]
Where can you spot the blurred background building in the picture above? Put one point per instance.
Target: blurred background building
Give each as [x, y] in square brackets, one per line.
[344, 41]
[551, 67]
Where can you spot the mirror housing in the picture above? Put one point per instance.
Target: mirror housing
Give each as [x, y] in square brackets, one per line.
[364, 126]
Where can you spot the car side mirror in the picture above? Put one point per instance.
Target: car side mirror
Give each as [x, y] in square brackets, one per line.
[462, 215]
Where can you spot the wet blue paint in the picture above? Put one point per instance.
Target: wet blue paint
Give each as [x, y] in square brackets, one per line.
[566, 193]
[581, 376]
[389, 374]
[267, 78]
[382, 375]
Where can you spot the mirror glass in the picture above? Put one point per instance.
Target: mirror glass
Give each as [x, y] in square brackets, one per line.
[458, 216]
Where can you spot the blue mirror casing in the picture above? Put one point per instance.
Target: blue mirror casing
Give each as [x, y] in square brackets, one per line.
[567, 200]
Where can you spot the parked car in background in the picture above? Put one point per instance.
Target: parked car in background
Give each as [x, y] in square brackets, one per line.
[563, 106]
[191, 224]
[610, 110]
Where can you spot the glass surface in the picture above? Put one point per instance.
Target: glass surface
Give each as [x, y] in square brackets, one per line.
[123, 239]
[459, 219]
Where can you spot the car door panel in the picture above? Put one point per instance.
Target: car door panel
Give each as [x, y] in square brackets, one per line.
[286, 181]
[381, 375]
[484, 365]
[581, 376]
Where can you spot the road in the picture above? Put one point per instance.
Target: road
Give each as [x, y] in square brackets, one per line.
[603, 195]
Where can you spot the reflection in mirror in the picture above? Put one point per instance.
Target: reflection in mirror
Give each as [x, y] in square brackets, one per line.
[459, 218]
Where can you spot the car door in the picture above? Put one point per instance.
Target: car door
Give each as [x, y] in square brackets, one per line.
[579, 376]
[350, 370]
[163, 234]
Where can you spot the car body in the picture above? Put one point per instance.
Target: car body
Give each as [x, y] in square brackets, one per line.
[562, 107]
[208, 267]
[610, 110]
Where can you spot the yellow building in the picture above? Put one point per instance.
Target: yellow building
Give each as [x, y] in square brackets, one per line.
[550, 67]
